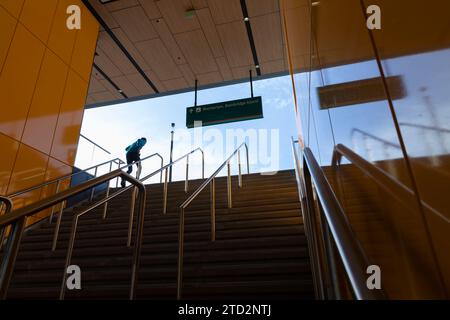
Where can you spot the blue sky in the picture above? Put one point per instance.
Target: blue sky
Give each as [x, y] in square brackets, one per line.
[115, 127]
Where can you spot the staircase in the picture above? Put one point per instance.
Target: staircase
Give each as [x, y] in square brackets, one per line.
[260, 250]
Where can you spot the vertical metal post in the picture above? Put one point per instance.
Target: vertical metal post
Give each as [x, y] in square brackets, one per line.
[68, 257]
[117, 180]
[230, 205]
[203, 164]
[93, 188]
[310, 225]
[187, 175]
[10, 255]
[239, 167]
[161, 172]
[165, 192]
[248, 161]
[105, 208]
[58, 225]
[138, 242]
[251, 82]
[171, 154]
[130, 223]
[213, 209]
[196, 90]
[180, 254]
[58, 184]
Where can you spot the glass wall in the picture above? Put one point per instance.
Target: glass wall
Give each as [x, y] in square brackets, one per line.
[394, 117]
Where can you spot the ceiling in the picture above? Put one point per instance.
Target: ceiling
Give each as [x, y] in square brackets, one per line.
[147, 48]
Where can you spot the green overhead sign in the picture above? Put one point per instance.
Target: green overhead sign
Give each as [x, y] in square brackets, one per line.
[224, 112]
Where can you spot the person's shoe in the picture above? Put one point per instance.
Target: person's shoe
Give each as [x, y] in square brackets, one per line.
[122, 184]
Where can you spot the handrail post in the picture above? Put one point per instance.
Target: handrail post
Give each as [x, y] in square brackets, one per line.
[58, 225]
[130, 223]
[213, 209]
[239, 167]
[165, 191]
[8, 207]
[68, 257]
[230, 205]
[93, 189]
[10, 255]
[248, 161]
[53, 208]
[203, 164]
[161, 171]
[117, 180]
[180, 254]
[105, 208]
[187, 175]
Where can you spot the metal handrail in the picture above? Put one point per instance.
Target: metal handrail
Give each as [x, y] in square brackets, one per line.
[425, 127]
[17, 219]
[342, 238]
[95, 144]
[46, 183]
[184, 205]
[7, 202]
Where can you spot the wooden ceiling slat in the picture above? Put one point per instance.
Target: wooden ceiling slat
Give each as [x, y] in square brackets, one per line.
[262, 7]
[175, 84]
[224, 68]
[169, 41]
[173, 12]
[104, 96]
[103, 61]
[225, 11]
[111, 89]
[235, 41]
[159, 59]
[131, 48]
[209, 78]
[268, 37]
[124, 84]
[243, 72]
[95, 85]
[104, 13]
[187, 74]
[122, 4]
[151, 9]
[199, 4]
[209, 28]
[135, 24]
[273, 66]
[114, 53]
[141, 85]
[197, 51]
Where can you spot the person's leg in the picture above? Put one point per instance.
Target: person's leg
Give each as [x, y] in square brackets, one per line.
[130, 166]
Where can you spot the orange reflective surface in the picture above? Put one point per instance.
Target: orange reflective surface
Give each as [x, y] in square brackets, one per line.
[44, 72]
[407, 237]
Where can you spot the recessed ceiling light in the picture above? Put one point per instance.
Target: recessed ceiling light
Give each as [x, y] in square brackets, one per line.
[315, 3]
[257, 66]
[246, 19]
[120, 91]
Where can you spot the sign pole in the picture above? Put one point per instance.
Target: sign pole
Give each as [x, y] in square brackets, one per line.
[251, 82]
[196, 87]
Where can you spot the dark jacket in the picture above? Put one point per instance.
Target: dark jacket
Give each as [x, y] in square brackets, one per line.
[136, 146]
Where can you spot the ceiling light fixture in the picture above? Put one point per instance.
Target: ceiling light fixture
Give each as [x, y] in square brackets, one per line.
[246, 19]
[315, 3]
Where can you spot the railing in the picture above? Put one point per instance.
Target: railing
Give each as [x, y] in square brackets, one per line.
[17, 218]
[105, 207]
[186, 203]
[322, 210]
[8, 204]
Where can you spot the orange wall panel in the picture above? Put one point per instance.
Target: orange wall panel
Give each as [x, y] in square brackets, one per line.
[7, 27]
[37, 16]
[9, 149]
[69, 123]
[62, 40]
[44, 110]
[18, 80]
[43, 93]
[13, 6]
